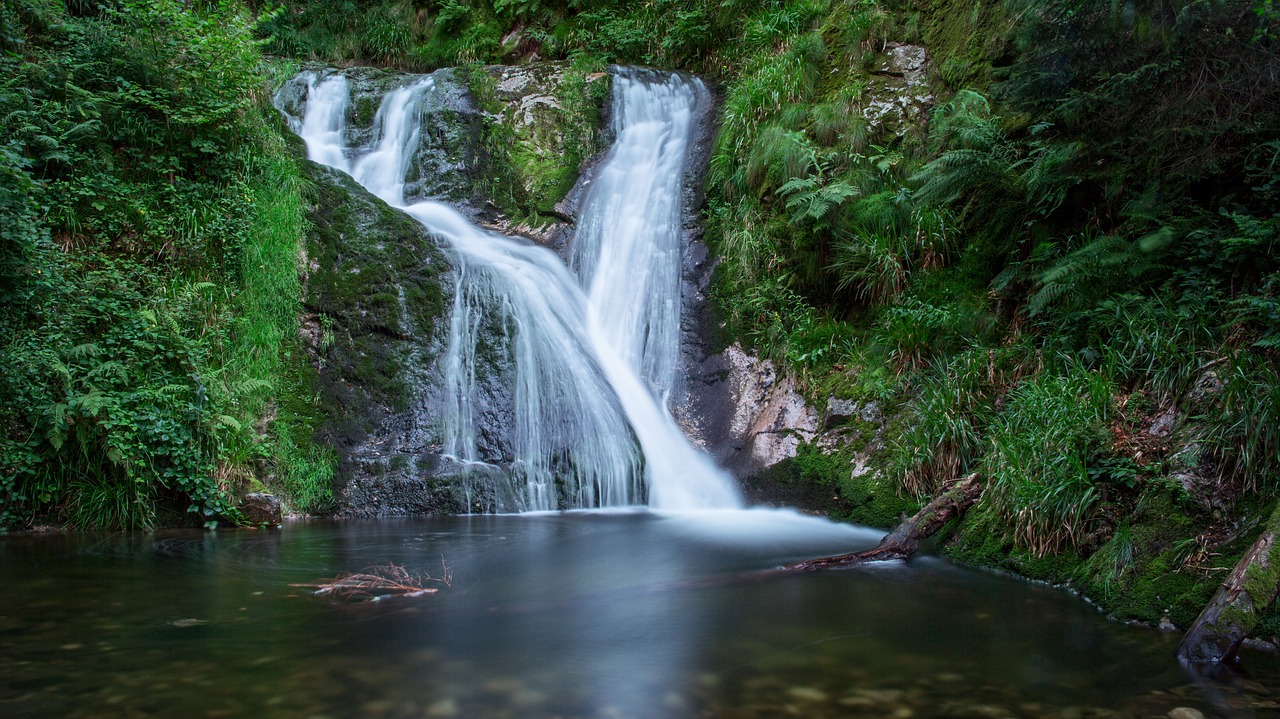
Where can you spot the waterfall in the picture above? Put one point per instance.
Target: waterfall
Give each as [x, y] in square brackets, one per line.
[589, 357]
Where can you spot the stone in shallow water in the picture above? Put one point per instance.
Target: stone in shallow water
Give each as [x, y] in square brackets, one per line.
[377, 707]
[674, 701]
[808, 694]
[976, 711]
[1255, 687]
[443, 708]
[528, 697]
[1185, 713]
[882, 696]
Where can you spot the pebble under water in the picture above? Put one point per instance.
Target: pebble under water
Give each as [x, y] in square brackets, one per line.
[600, 615]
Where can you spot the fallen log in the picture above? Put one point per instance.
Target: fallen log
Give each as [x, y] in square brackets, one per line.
[902, 543]
[1232, 614]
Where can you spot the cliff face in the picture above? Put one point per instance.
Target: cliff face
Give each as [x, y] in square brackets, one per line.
[376, 292]
[496, 142]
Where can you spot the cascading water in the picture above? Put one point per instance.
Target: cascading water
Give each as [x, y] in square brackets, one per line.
[589, 372]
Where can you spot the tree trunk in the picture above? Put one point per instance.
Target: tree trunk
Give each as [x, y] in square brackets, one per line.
[1233, 613]
[902, 543]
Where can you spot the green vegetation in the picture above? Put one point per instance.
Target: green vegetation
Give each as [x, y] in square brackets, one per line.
[428, 34]
[151, 222]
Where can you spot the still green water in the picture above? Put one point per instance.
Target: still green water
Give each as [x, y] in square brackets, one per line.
[564, 615]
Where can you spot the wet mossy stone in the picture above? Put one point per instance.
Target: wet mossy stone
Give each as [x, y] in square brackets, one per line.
[377, 285]
[447, 164]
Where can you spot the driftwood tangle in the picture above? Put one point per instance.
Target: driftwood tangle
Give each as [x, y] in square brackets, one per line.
[379, 583]
[1233, 613]
[902, 543]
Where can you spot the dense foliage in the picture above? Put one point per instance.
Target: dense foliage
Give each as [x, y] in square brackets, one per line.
[151, 221]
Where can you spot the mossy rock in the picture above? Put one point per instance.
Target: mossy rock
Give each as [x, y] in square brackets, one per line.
[377, 287]
[968, 40]
[543, 122]
[821, 479]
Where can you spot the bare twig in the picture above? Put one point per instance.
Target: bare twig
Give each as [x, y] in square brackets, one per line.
[378, 583]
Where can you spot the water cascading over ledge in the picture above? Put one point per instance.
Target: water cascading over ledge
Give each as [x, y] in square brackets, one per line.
[588, 359]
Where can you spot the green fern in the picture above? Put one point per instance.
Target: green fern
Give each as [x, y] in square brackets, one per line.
[811, 198]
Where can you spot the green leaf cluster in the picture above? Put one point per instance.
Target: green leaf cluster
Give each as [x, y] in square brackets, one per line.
[147, 203]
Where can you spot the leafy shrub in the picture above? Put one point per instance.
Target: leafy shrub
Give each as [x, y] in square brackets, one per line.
[149, 323]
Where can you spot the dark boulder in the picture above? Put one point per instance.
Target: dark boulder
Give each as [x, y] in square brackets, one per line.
[260, 508]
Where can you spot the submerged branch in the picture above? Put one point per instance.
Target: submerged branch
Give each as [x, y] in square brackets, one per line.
[378, 583]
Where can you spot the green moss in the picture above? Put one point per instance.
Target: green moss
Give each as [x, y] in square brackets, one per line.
[363, 110]
[870, 499]
[874, 501]
[1149, 585]
[967, 39]
[534, 141]
[380, 284]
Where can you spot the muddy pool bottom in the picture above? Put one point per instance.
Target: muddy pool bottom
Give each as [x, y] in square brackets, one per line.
[592, 615]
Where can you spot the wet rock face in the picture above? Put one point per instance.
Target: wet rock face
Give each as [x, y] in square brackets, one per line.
[899, 97]
[376, 289]
[745, 413]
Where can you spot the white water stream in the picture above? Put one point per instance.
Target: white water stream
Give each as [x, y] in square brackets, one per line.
[591, 371]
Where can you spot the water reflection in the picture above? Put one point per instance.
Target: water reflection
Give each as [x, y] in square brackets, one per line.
[568, 615]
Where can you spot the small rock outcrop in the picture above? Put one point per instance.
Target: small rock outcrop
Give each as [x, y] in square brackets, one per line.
[899, 97]
[260, 508]
[770, 416]
[542, 123]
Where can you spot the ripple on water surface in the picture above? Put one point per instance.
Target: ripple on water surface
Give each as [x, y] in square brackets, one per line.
[564, 615]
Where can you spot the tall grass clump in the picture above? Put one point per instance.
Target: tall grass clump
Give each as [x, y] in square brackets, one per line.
[265, 372]
[914, 330]
[1243, 423]
[1151, 344]
[947, 416]
[1038, 454]
[888, 238]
